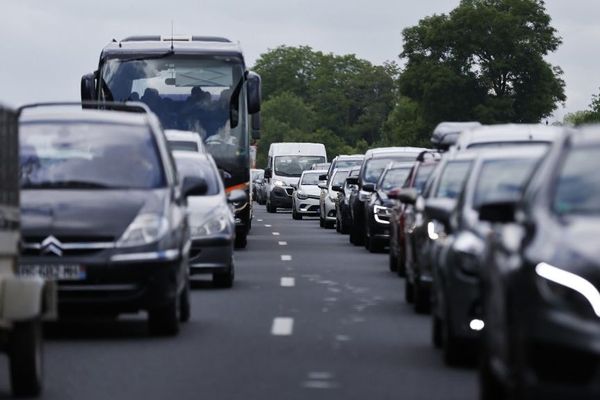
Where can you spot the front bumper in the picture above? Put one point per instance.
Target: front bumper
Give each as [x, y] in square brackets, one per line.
[329, 209]
[309, 206]
[211, 254]
[463, 297]
[281, 197]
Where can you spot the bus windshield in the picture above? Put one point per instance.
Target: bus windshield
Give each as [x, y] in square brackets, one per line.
[186, 93]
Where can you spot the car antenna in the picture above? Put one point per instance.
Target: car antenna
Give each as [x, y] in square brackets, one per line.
[172, 35]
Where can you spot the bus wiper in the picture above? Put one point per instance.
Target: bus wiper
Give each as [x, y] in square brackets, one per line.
[148, 57]
[68, 184]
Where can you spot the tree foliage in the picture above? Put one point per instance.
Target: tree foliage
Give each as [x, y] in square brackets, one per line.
[482, 61]
[342, 101]
[589, 116]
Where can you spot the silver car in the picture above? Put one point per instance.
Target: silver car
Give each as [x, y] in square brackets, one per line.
[327, 198]
[305, 199]
[211, 220]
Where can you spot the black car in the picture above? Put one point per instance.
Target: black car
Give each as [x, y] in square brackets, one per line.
[420, 229]
[104, 214]
[343, 217]
[541, 299]
[377, 235]
[456, 256]
[373, 165]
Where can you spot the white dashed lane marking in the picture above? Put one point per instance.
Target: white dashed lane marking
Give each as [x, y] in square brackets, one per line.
[282, 326]
[259, 220]
[286, 257]
[287, 281]
[283, 243]
[267, 226]
[275, 233]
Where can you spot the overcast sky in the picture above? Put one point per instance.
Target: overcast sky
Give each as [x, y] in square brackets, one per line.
[47, 45]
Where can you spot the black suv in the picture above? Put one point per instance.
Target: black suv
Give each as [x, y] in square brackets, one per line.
[541, 299]
[104, 213]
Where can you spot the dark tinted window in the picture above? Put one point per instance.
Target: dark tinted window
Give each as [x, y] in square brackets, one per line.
[375, 166]
[578, 186]
[180, 145]
[85, 155]
[423, 173]
[453, 178]
[394, 178]
[502, 180]
[295, 165]
[192, 166]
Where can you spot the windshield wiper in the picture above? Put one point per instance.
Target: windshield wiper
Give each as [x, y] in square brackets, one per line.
[70, 184]
[148, 57]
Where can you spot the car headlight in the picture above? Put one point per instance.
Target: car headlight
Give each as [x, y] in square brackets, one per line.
[217, 223]
[279, 183]
[145, 229]
[364, 196]
[381, 214]
[301, 195]
[435, 230]
[570, 287]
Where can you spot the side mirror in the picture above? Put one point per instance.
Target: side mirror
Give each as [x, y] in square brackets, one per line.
[237, 196]
[369, 187]
[352, 180]
[322, 185]
[268, 173]
[406, 195]
[88, 87]
[254, 92]
[323, 177]
[440, 209]
[499, 212]
[294, 185]
[194, 186]
[256, 124]
[336, 188]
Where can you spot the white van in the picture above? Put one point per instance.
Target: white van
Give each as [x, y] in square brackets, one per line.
[286, 163]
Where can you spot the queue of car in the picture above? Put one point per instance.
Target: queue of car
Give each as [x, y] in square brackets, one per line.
[494, 232]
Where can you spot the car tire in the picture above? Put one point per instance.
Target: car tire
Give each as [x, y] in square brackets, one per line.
[164, 320]
[393, 261]
[241, 241]
[344, 229]
[436, 331]
[338, 224]
[26, 358]
[270, 208]
[224, 280]
[453, 348]
[490, 387]
[421, 298]
[408, 291]
[185, 304]
[329, 224]
[295, 214]
[401, 264]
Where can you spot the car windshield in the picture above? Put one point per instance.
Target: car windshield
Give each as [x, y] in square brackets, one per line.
[203, 168]
[394, 178]
[310, 179]
[257, 175]
[348, 163]
[180, 145]
[578, 185]
[375, 166]
[423, 173]
[192, 94]
[502, 180]
[452, 179]
[85, 155]
[339, 178]
[295, 165]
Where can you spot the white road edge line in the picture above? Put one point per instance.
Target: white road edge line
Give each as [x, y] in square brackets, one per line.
[283, 243]
[286, 257]
[287, 281]
[282, 326]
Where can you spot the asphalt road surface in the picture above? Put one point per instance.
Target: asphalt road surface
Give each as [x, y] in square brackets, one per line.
[309, 317]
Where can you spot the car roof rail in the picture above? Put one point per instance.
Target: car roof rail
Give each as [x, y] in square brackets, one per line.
[130, 106]
[435, 155]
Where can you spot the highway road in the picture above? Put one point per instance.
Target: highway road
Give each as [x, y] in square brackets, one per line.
[309, 317]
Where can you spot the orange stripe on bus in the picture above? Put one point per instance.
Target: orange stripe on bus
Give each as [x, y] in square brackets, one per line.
[241, 186]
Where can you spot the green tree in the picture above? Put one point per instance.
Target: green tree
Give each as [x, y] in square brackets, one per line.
[485, 61]
[589, 116]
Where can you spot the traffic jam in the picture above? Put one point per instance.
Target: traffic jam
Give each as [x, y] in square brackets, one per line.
[114, 205]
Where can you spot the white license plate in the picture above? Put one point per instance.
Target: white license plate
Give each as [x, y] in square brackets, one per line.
[62, 272]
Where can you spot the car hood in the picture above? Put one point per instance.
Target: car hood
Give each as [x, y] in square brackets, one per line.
[312, 190]
[203, 206]
[288, 180]
[82, 214]
[580, 236]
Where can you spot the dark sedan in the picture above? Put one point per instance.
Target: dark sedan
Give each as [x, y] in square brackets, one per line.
[343, 217]
[541, 303]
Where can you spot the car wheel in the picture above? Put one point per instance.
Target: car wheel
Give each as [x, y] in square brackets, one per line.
[26, 358]
[185, 304]
[164, 320]
[295, 214]
[241, 241]
[490, 387]
[401, 264]
[453, 349]
[270, 208]
[421, 298]
[224, 280]
[408, 291]
[329, 224]
[338, 224]
[436, 331]
[393, 261]
[344, 229]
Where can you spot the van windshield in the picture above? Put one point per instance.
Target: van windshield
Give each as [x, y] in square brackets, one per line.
[295, 165]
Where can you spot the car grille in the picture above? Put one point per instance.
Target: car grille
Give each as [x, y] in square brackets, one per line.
[65, 245]
[312, 196]
[289, 191]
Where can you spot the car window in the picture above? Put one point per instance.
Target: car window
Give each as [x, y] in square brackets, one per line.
[203, 168]
[394, 178]
[502, 180]
[339, 178]
[86, 155]
[295, 165]
[180, 145]
[452, 179]
[348, 163]
[423, 173]
[578, 185]
[310, 179]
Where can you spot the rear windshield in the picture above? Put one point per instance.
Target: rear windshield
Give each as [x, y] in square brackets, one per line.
[375, 166]
[394, 178]
[578, 185]
[310, 179]
[502, 180]
[339, 178]
[180, 145]
[348, 163]
[89, 156]
[453, 178]
[423, 173]
[188, 166]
